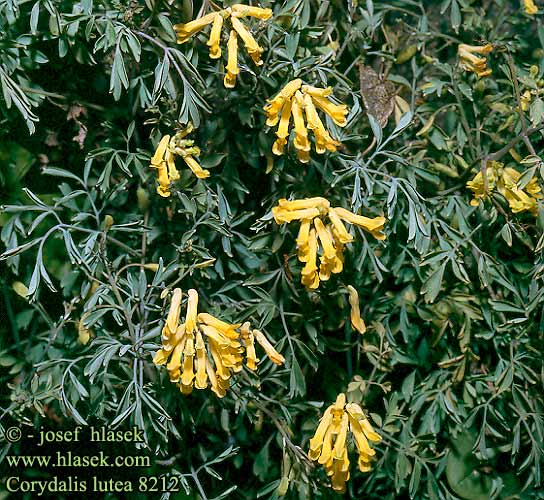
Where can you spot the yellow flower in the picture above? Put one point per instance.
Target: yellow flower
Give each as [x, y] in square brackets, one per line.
[504, 181]
[469, 61]
[530, 7]
[299, 100]
[283, 130]
[526, 98]
[355, 316]
[185, 31]
[247, 10]
[215, 37]
[338, 419]
[164, 159]
[232, 64]
[251, 45]
[314, 235]
[205, 349]
[237, 28]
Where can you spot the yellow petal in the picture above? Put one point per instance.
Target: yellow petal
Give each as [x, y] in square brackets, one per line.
[373, 225]
[315, 202]
[215, 37]
[247, 10]
[282, 215]
[325, 239]
[301, 134]
[201, 380]
[232, 49]
[340, 443]
[227, 329]
[316, 442]
[158, 157]
[341, 231]
[530, 7]
[356, 321]
[274, 355]
[337, 112]
[160, 357]
[185, 31]
[188, 374]
[192, 308]
[251, 45]
[283, 128]
[316, 91]
[196, 168]
[175, 308]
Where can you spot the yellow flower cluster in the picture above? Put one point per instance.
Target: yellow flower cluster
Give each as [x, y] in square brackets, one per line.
[530, 7]
[469, 61]
[504, 180]
[313, 232]
[329, 444]
[234, 14]
[205, 348]
[164, 159]
[291, 101]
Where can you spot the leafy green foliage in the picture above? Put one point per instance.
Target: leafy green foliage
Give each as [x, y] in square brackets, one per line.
[450, 369]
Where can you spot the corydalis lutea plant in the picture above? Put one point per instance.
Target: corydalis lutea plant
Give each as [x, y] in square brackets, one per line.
[164, 161]
[300, 102]
[204, 348]
[315, 237]
[329, 445]
[504, 180]
[231, 15]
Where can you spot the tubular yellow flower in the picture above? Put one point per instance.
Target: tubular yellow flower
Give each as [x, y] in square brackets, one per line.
[355, 316]
[316, 91]
[185, 31]
[310, 277]
[341, 232]
[302, 239]
[247, 10]
[173, 314]
[200, 172]
[215, 37]
[325, 239]
[283, 215]
[173, 173]
[315, 202]
[301, 134]
[201, 379]
[164, 180]
[158, 157]
[337, 112]
[373, 226]
[249, 340]
[251, 45]
[192, 307]
[269, 349]
[323, 140]
[530, 7]
[232, 64]
[283, 130]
